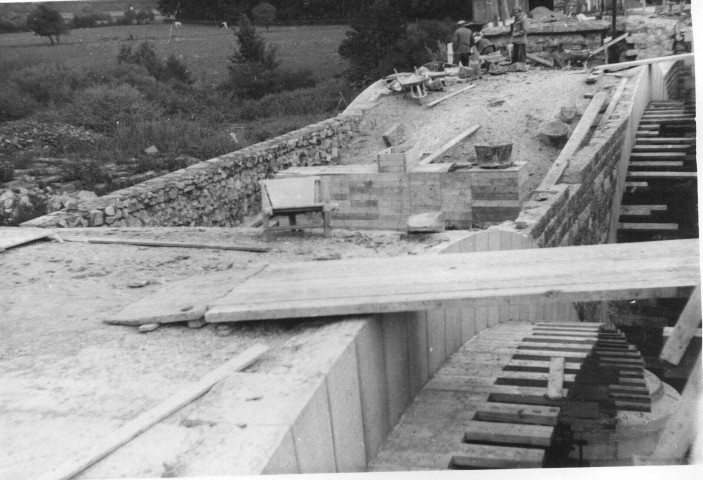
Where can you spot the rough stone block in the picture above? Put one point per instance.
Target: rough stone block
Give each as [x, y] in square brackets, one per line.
[430, 222]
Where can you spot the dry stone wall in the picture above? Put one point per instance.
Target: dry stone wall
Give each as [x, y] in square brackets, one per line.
[217, 192]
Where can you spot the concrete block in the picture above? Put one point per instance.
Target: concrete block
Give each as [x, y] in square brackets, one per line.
[372, 381]
[312, 432]
[436, 339]
[468, 323]
[345, 410]
[395, 342]
[430, 222]
[417, 351]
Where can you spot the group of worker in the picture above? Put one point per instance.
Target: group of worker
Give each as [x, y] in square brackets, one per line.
[466, 42]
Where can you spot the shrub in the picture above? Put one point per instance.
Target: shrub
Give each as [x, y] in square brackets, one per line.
[252, 47]
[15, 104]
[50, 82]
[145, 56]
[105, 108]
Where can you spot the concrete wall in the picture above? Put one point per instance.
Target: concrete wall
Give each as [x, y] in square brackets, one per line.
[217, 192]
[371, 200]
[578, 210]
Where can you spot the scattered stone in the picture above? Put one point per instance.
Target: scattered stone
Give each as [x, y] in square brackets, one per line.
[149, 327]
[254, 399]
[223, 330]
[138, 284]
[568, 114]
[152, 150]
[196, 323]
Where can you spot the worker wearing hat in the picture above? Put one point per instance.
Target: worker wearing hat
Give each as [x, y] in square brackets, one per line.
[462, 41]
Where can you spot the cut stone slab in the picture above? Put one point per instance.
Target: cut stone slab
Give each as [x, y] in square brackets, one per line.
[182, 301]
[429, 222]
[394, 135]
[14, 236]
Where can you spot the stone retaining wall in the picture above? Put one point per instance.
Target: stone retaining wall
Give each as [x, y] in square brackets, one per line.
[554, 36]
[217, 192]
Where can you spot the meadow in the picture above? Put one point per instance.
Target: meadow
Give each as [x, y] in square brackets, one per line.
[203, 48]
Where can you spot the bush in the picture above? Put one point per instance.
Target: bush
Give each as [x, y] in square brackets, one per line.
[252, 47]
[50, 82]
[14, 104]
[84, 21]
[145, 56]
[105, 108]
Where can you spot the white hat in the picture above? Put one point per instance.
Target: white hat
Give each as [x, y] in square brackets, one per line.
[461, 22]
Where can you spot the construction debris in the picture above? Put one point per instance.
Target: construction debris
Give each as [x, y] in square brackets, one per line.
[159, 243]
[394, 135]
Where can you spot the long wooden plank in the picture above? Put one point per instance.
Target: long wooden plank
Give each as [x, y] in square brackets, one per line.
[685, 329]
[150, 418]
[634, 270]
[14, 236]
[440, 100]
[658, 155]
[657, 164]
[648, 61]
[667, 140]
[526, 435]
[613, 101]
[484, 456]
[160, 243]
[438, 153]
[574, 143]
[518, 413]
[680, 431]
[662, 174]
[647, 226]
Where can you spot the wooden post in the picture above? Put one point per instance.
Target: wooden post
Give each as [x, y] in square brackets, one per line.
[684, 330]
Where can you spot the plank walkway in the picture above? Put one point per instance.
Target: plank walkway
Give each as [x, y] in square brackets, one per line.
[663, 166]
[498, 400]
[379, 285]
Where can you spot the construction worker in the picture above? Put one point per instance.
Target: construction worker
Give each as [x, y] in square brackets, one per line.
[462, 41]
[518, 37]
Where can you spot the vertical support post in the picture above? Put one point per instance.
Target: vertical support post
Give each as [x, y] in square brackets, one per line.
[615, 15]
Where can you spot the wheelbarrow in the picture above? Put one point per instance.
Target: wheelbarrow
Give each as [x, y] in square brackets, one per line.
[411, 82]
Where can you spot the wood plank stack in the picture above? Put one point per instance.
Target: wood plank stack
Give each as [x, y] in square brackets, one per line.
[661, 177]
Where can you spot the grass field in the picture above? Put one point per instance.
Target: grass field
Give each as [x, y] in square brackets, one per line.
[204, 49]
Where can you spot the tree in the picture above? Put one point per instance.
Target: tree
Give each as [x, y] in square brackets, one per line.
[376, 34]
[252, 46]
[264, 14]
[45, 21]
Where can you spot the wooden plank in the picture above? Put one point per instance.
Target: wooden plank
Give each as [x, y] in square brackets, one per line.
[686, 326]
[525, 435]
[613, 102]
[378, 285]
[159, 243]
[680, 431]
[555, 387]
[438, 153]
[608, 44]
[518, 413]
[648, 61]
[14, 236]
[667, 175]
[483, 456]
[642, 210]
[681, 147]
[143, 422]
[668, 140]
[668, 331]
[538, 59]
[180, 301]
[657, 164]
[658, 155]
[440, 100]
[577, 138]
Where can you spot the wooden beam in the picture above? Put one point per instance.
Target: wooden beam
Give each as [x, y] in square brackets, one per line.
[143, 422]
[555, 385]
[647, 226]
[440, 100]
[666, 175]
[657, 164]
[681, 430]
[159, 243]
[607, 45]
[512, 277]
[613, 102]
[537, 59]
[438, 153]
[685, 329]
[668, 331]
[575, 141]
[648, 61]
